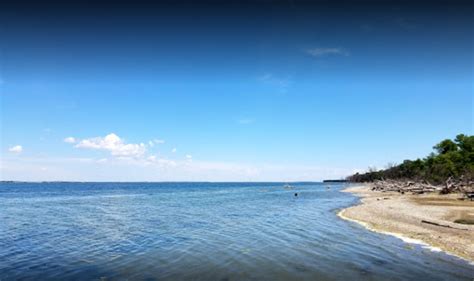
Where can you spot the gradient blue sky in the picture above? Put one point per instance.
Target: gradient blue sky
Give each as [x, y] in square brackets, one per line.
[247, 90]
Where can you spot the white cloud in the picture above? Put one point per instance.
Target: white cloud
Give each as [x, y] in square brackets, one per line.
[189, 158]
[161, 162]
[126, 153]
[155, 141]
[114, 144]
[174, 150]
[70, 140]
[323, 52]
[16, 149]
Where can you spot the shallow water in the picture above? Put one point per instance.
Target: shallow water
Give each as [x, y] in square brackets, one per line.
[200, 231]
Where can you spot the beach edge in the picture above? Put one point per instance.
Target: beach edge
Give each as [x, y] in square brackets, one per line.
[411, 237]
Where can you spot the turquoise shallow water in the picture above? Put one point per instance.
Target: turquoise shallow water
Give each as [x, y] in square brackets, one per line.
[199, 231]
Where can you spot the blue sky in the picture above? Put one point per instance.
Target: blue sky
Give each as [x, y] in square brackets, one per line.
[269, 91]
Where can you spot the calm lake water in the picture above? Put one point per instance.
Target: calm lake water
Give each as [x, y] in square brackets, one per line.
[199, 231]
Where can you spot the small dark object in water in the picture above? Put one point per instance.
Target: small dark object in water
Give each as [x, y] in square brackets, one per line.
[296, 194]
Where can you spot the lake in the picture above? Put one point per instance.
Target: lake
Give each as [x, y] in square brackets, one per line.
[200, 231]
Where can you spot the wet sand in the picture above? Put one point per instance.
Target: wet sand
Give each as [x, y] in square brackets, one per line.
[427, 218]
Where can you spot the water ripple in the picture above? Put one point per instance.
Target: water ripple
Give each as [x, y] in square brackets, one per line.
[199, 231]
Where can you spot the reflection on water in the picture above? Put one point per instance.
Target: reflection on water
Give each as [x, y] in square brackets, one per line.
[199, 231]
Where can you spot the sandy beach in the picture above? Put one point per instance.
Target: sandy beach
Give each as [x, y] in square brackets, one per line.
[428, 218]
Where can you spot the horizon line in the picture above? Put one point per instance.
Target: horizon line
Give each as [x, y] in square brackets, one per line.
[59, 181]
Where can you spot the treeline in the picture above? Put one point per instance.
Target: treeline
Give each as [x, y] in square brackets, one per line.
[451, 159]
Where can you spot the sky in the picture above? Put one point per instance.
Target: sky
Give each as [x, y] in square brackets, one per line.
[229, 90]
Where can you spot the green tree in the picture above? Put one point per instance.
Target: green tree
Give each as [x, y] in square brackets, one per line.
[452, 159]
[465, 143]
[446, 146]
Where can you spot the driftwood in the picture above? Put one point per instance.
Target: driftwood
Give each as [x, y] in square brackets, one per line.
[451, 186]
[442, 225]
[469, 195]
[402, 186]
[461, 185]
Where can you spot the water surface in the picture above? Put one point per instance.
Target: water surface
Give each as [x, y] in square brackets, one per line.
[199, 231]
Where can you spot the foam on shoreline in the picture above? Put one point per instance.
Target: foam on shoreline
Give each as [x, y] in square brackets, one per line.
[404, 237]
[397, 235]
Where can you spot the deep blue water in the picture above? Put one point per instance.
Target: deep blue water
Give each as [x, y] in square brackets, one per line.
[199, 231]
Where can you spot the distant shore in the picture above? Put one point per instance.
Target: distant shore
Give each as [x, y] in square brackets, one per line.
[427, 218]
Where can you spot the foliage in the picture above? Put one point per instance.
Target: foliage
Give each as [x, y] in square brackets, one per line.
[453, 158]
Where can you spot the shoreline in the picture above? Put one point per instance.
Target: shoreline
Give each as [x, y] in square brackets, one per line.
[409, 218]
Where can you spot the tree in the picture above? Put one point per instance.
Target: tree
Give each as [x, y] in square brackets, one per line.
[446, 146]
[454, 158]
[465, 143]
